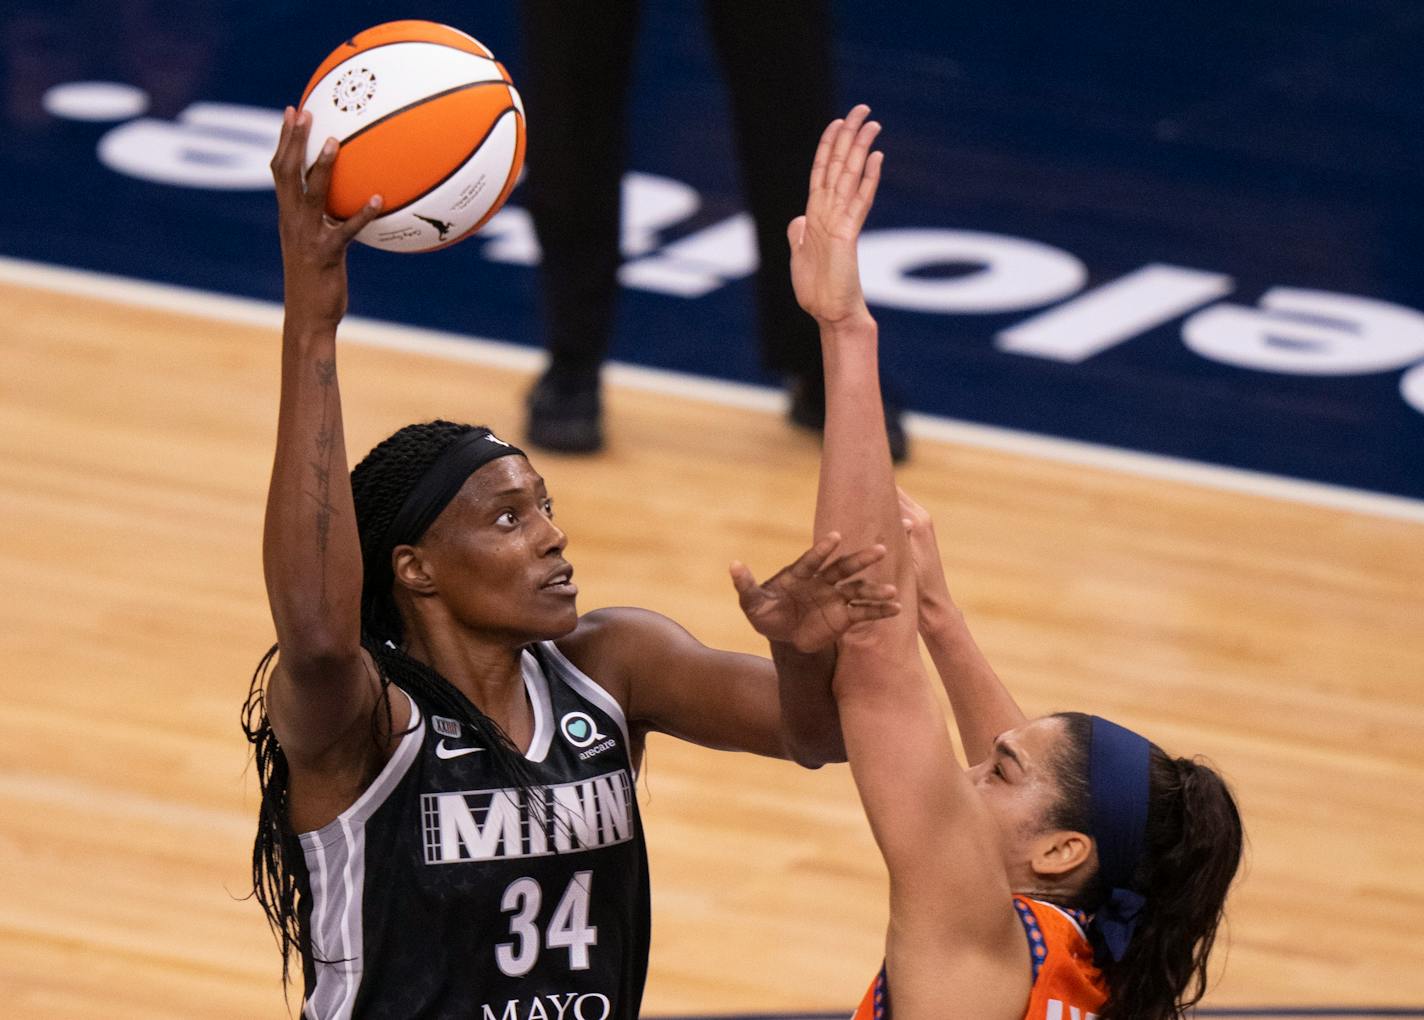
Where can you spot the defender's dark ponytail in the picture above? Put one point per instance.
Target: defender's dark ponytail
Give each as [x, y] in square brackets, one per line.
[1192, 850]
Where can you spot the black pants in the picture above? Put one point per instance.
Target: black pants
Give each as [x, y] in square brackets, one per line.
[776, 57]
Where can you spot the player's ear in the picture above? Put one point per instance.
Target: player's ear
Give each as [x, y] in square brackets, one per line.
[1058, 853]
[412, 570]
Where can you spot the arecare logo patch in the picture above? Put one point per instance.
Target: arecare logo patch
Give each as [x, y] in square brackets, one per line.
[579, 729]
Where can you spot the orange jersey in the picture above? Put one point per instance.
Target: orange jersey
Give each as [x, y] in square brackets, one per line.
[1066, 984]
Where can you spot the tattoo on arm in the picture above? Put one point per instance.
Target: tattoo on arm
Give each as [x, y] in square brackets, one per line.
[321, 465]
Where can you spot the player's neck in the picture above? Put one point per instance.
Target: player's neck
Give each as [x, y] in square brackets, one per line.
[488, 672]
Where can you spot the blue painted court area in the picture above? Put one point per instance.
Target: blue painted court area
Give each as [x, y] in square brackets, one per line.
[1186, 229]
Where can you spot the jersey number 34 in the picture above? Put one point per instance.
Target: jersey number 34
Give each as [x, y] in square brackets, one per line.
[568, 927]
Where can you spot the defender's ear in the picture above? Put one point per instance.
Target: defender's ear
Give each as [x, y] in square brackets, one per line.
[1057, 854]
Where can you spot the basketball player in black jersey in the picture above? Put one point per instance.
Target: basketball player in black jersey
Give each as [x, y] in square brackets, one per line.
[447, 750]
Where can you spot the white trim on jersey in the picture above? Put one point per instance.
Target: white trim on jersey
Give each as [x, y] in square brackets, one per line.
[381, 787]
[537, 684]
[590, 689]
[353, 877]
[1071, 919]
[316, 876]
[336, 869]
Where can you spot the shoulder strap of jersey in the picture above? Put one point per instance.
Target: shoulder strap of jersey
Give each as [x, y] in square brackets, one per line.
[1062, 959]
[558, 667]
[386, 780]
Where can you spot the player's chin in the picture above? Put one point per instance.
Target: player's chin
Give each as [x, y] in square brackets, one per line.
[558, 614]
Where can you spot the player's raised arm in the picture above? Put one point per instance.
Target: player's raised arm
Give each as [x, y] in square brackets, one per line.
[310, 551]
[983, 707]
[931, 830]
[881, 697]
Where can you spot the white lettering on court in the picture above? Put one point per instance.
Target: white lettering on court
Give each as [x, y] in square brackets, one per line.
[227, 146]
[1309, 332]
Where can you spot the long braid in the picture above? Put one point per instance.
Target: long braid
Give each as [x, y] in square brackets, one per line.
[274, 886]
[379, 485]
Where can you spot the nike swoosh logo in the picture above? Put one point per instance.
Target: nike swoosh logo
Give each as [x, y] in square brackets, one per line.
[441, 751]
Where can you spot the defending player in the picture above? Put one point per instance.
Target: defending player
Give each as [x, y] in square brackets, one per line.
[447, 751]
[1074, 868]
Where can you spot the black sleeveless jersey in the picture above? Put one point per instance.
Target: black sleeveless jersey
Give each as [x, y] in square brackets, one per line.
[445, 893]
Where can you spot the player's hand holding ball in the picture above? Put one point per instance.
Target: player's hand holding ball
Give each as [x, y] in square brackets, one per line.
[313, 244]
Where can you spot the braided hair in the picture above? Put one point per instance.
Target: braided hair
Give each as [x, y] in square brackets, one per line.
[1192, 849]
[379, 486]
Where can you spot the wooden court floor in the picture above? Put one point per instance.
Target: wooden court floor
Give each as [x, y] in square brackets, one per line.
[1284, 641]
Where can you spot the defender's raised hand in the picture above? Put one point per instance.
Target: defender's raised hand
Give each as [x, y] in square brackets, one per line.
[313, 244]
[844, 176]
[930, 583]
[818, 598]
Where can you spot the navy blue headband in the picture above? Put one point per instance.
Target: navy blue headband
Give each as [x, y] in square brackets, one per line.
[1119, 783]
[432, 493]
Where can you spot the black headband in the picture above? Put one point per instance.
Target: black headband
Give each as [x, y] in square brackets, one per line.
[432, 493]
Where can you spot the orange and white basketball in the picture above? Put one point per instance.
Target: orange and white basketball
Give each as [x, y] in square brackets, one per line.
[428, 120]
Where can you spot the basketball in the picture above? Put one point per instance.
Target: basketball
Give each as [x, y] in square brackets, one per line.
[428, 120]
